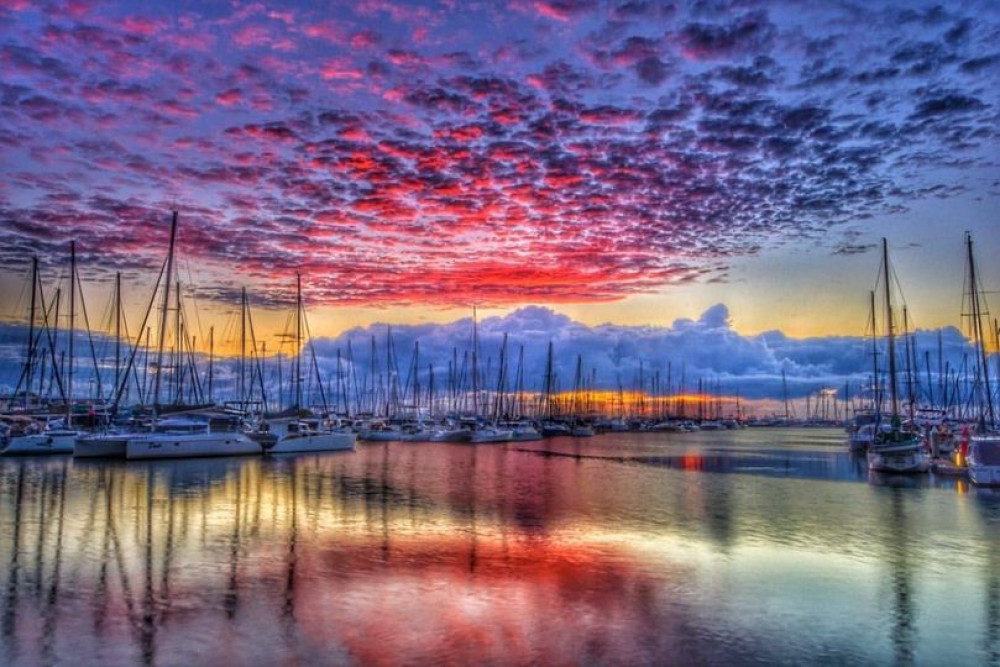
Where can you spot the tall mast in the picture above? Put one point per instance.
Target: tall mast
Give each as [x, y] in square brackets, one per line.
[211, 362]
[177, 349]
[784, 393]
[980, 340]
[670, 387]
[890, 332]
[72, 327]
[498, 400]
[430, 390]
[390, 384]
[340, 386]
[163, 315]
[118, 327]
[577, 387]
[241, 377]
[373, 378]
[519, 410]
[475, 365]
[416, 378]
[31, 334]
[548, 384]
[298, 341]
[876, 387]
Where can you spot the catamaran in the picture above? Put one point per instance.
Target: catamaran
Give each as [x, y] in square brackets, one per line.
[192, 436]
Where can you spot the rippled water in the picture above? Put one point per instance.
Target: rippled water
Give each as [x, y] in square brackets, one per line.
[770, 546]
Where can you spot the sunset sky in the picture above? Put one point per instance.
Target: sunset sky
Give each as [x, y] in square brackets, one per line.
[624, 162]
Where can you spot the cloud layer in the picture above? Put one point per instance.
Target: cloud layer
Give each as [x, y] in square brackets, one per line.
[445, 153]
[655, 360]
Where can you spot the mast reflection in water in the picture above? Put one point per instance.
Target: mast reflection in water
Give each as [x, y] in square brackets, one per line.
[629, 548]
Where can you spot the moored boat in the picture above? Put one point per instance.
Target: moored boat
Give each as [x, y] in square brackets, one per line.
[524, 431]
[983, 460]
[55, 441]
[307, 435]
[184, 437]
[896, 449]
[26, 436]
[489, 433]
[102, 445]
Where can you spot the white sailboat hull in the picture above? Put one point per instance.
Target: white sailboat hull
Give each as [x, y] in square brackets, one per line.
[909, 461]
[984, 460]
[101, 446]
[490, 436]
[181, 446]
[983, 475]
[315, 442]
[41, 443]
[381, 436]
[451, 435]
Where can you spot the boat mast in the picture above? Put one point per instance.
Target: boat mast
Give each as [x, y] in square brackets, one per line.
[373, 406]
[298, 342]
[430, 391]
[241, 379]
[548, 384]
[498, 400]
[890, 333]
[519, 409]
[72, 327]
[876, 387]
[31, 335]
[118, 326]
[475, 366]
[178, 346]
[977, 327]
[416, 379]
[163, 314]
[784, 393]
[211, 362]
[577, 388]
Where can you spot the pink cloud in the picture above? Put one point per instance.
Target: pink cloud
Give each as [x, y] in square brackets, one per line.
[230, 97]
[142, 25]
[365, 39]
[327, 30]
[252, 35]
[288, 18]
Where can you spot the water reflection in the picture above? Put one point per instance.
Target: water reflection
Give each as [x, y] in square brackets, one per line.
[632, 550]
[899, 563]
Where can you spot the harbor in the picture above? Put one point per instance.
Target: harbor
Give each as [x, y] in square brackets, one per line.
[652, 547]
[527, 332]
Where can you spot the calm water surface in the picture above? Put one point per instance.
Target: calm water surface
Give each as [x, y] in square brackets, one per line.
[758, 546]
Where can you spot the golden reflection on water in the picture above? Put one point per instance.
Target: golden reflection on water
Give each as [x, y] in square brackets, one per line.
[402, 553]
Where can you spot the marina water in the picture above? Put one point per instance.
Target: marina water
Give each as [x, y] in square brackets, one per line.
[766, 546]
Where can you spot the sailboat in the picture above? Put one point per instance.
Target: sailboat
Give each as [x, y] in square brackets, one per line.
[865, 422]
[550, 426]
[483, 432]
[184, 436]
[895, 450]
[57, 435]
[580, 428]
[983, 458]
[296, 433]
